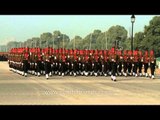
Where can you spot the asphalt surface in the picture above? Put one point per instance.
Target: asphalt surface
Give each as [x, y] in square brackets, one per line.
[69, 90]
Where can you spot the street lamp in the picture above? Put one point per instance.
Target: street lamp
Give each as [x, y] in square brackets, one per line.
[132, 21]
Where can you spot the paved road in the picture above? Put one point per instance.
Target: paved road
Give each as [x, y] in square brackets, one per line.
[18, 90]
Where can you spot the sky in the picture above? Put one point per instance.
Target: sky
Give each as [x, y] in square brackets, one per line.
[23, 27]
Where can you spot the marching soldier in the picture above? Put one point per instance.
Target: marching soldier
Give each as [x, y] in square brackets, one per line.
[38, 62]
[100, 62]
[125, 60]
[25, 61]
[63, 64]
[119, 62]
[96, 58]
[130, 61]
[135, 62]
[47, 65]
[152, 64]
[140, 62]
[146, 62]
[75, 60]
[106, 60]
[113, 59]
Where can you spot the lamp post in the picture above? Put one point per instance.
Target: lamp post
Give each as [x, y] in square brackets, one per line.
[132, 21]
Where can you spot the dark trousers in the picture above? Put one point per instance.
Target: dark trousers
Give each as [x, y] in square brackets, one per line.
[74, 66]
[25, 66]
[110, 66]
[135, 67]
[152, 66]
[114, 68]
[129, 67]
[105, 67]
[47, 67]
[140, 67]
[86, 67]
[125, 67]
[38, 67]
[63, 67]
[145, 67]
[95, 67]
[120, 67]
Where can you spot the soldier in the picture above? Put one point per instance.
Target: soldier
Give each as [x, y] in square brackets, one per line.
[113, 58]
[38, 62]
[31, 61]
[56, 61]
[63, 64]
[119, 62]
[42, 62]
[80, 62]
[135, 62]
[25, 61]
[130, 61]
[109, 62]
[86, 62]
[140, 62]
[146, 62]
[106, 59]
[68, 62]
[47, 65]
[152, 64]
[100, 63]
[75, 60]
[125, 60]
[96, 57]
[71, 65]
[90, 62]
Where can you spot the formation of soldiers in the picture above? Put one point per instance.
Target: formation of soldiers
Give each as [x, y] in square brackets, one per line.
[113, 62]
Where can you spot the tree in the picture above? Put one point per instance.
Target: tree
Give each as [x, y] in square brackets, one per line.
[152, 36]
[60, 39]
[36, 42]
[90, 41]
[75, 43]
[116, 33]
[138, 40]
[46, 39]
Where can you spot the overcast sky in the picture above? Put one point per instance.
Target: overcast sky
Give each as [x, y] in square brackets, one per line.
[23, 27]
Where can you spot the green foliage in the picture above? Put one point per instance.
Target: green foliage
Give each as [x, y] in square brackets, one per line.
[152, 36]
[46, 39]
[118, 33]
[138, 40]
